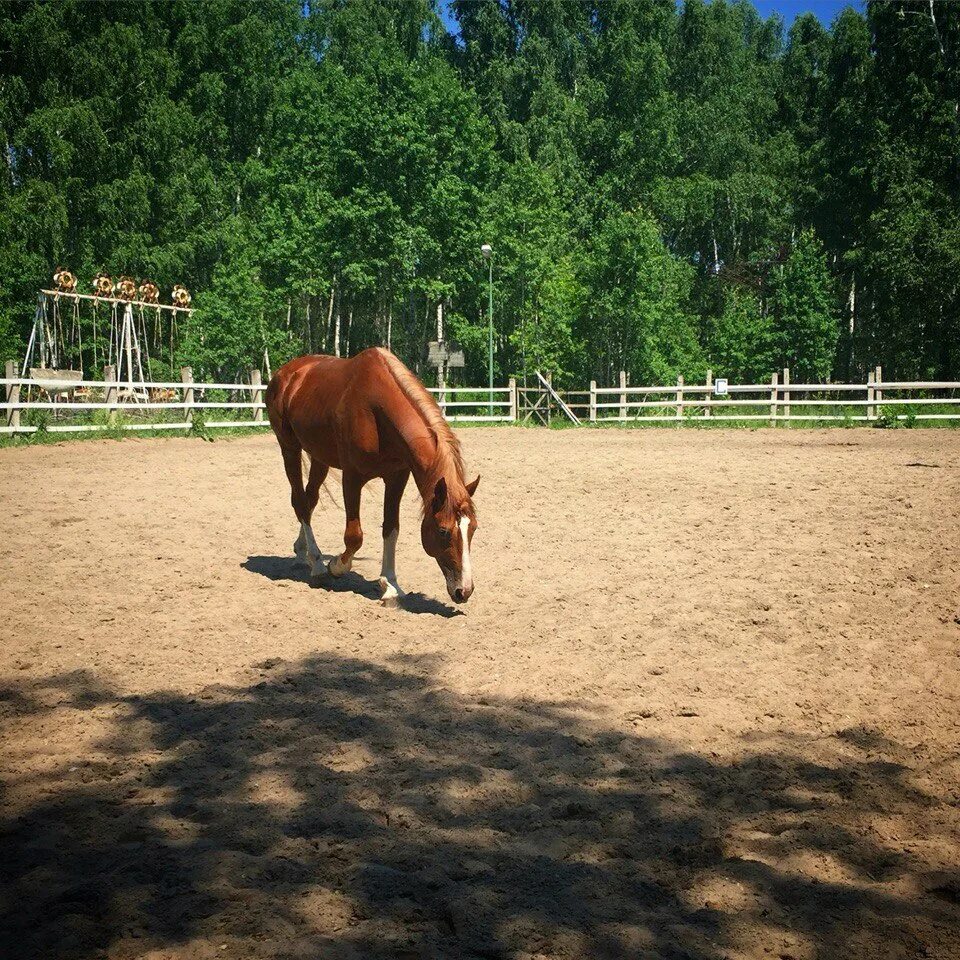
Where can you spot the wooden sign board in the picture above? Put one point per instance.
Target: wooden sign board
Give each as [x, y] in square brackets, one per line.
[445, 352]
[437, 353]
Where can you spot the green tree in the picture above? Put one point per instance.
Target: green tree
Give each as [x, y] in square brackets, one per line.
[657, 178]
[637, 317]
[742, 345]
[803, 308]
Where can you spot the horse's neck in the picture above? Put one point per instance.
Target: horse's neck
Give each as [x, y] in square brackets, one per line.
[419, 442]
[426, 453]
[422, 455]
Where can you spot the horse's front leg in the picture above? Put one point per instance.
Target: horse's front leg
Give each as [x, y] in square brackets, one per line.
[353, 534]
[392, 494]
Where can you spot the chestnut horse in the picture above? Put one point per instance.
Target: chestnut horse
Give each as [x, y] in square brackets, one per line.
[370, 417]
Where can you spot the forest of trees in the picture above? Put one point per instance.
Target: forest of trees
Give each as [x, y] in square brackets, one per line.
[666, 186]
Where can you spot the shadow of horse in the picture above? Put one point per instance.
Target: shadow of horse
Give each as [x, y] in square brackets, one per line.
[285, 568]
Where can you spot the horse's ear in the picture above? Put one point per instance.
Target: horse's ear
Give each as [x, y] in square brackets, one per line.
[439, 495]
[472, 486]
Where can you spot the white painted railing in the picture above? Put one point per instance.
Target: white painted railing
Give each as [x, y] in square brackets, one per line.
[125, 405]
[779, 400]
[477, 404]
[67, 404]
[134, 405]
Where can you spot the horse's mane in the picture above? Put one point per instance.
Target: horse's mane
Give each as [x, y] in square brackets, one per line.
[448, 446]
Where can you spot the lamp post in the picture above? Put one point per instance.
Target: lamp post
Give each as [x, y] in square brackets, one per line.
[487, 252]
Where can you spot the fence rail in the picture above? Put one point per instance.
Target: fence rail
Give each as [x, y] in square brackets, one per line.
[858, 402]
[97, 405]
[67, 406]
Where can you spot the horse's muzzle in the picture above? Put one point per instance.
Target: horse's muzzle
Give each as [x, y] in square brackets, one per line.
[461, 594]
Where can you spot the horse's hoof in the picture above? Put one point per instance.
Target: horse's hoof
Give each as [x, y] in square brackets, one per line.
[390, 594]
[337, 569]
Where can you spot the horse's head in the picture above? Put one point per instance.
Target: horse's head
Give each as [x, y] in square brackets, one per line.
[449, 522]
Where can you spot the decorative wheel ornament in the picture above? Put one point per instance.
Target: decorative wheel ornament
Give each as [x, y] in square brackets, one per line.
[102, 285]
[149, 292]
[180, 296]
[126, 289]
[65, 281]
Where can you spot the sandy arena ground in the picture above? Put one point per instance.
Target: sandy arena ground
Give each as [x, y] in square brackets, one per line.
[704, 704]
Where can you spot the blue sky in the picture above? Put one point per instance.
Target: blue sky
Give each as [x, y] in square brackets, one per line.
[826, 10]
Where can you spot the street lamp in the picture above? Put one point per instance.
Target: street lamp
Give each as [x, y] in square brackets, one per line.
[487, 252]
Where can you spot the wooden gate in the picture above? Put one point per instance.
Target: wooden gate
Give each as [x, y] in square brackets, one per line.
[537, 402]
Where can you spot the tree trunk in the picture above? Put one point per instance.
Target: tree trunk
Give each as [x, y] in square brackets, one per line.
[326, 332]
[851, 323]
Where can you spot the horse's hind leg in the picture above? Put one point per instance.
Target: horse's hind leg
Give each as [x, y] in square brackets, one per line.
[303, 501]
[318, 473]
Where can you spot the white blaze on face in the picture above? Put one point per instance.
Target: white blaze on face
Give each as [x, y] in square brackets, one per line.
[466, 572]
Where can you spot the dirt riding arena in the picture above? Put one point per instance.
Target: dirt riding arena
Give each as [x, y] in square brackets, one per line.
[704, 704]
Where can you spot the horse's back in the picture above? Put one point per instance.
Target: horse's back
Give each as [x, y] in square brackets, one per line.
[308, 398]
[302, 396]
[299, 376]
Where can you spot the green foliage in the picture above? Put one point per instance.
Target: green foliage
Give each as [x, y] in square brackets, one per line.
[741, 341]
[894, 417]
[639, 301]
[802, 304]
[37, 418]
[535, 271]
[667, 186]
[198, 426]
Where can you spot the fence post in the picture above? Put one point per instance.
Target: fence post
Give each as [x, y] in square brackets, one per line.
[13, 395]
[110, 392]
[871, 380]
[257, 381]
[442, 384]
[773, 400]
[786, 394]
[877, 392]
[513, 399]
[679, 399]
[186, 375]
[623, 396]
[549, 379]
[709, 397]
[593, 401]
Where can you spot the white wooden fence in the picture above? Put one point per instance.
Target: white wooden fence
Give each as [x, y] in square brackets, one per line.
[478, 404]
[69, 406]
[778, 401]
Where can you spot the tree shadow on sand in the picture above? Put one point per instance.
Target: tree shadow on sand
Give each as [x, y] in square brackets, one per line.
[339, 808]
